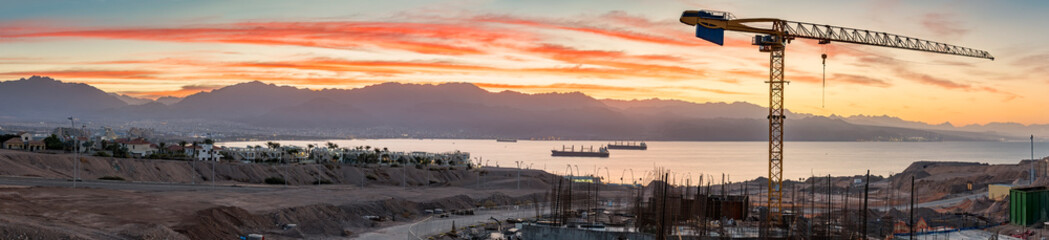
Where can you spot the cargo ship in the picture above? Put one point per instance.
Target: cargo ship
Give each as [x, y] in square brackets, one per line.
[506, 140]
[583, 152]
[628, 145]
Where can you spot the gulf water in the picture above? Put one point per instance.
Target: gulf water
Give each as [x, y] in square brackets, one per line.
[739, 160]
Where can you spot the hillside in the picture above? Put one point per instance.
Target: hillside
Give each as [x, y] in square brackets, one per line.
[451, 110]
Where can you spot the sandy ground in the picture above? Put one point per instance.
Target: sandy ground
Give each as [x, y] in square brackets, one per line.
[106, 210]
[163, 199]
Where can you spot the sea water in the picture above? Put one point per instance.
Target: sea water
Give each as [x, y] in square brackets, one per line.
[687, 160]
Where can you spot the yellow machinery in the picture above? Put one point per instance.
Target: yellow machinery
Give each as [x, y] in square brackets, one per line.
[711, 26]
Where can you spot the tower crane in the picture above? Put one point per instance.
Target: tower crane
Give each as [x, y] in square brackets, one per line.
[711, 26]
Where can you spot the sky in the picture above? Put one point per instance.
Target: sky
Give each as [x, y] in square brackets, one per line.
[619, 49]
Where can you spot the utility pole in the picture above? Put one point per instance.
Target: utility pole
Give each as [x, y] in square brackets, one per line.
[211, 154]
[76, 154]
[213, 172]
[404, 176]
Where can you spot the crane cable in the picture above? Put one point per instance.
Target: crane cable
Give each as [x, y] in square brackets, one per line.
[823, 103]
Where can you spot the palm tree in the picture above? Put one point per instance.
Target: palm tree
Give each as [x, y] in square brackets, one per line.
[182, 144]
[162, 146]
[332, 145]
[309, 151]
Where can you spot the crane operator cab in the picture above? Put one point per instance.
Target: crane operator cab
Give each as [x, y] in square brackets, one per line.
[713, 34]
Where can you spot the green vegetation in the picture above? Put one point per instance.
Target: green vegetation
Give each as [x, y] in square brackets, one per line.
[111, 178]
[53, 143]
[275, 180]
[102, 154]
[116, 149]
[5, 137]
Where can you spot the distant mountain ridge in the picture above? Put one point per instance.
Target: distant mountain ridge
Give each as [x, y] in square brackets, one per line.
[43, 97]
[1005, 129]
[462, 110]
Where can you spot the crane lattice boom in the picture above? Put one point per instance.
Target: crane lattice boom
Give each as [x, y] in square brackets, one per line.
[867, 37]
[713, 22]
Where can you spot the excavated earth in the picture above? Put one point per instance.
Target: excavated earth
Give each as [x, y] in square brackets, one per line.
[241, 204]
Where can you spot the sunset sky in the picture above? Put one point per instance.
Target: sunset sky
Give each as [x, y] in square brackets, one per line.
[626, 49]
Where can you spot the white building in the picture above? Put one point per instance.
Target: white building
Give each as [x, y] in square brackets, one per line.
[137, 147]
[204, 152]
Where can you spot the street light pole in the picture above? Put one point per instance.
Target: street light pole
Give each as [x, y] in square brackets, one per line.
[518, 174]
[76, 154]
[404, 175]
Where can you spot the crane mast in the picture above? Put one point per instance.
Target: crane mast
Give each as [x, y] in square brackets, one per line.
[711, 25]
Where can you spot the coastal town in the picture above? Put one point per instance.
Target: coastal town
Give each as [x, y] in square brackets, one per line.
[142, 143]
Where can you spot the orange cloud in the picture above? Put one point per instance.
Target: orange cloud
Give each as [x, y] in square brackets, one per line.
[612, 69]
[79, 74]
[622, 34]
[428, 38]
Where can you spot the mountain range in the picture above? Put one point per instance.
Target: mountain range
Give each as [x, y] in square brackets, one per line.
[464, 110]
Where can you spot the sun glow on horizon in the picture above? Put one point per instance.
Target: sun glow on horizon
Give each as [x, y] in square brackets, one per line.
[639, 53]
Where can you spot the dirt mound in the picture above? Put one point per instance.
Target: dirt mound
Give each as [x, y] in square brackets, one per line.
[222, 223]
[18, 163]
[19, 231]
[152, 232]
[921, 165]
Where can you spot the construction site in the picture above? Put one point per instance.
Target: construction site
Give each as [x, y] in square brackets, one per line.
[49, 190]
[811, 208]
[926, 201]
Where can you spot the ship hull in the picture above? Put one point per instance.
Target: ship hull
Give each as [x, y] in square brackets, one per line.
[556, 153]
[627, 147]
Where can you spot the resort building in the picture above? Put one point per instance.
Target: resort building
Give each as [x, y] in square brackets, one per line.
[14, 144]
[137, 147]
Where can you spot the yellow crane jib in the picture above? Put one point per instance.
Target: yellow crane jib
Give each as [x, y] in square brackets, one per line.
[711, 26]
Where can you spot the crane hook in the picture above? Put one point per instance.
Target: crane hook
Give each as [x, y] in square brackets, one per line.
[823, 103]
